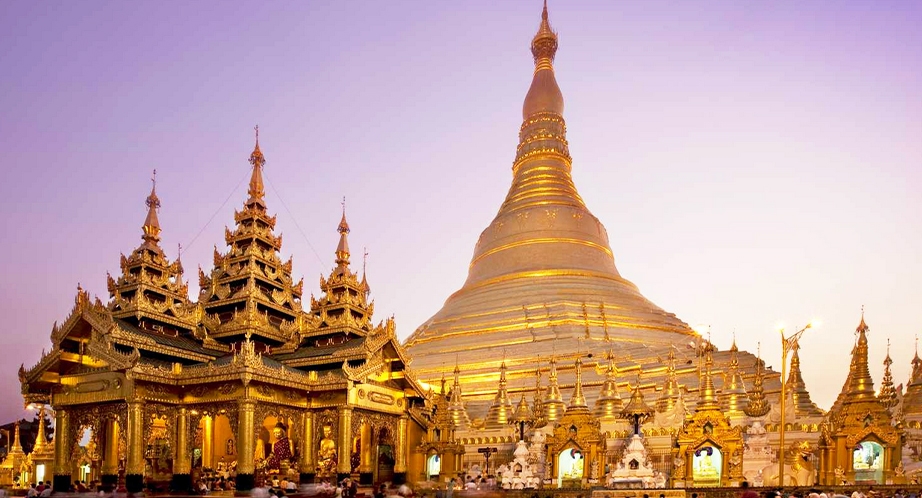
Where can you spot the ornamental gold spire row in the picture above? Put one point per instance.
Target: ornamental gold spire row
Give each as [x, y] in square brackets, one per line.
[543, 250]
[707, 395]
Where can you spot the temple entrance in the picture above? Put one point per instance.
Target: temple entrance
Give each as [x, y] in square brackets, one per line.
[867, 460]
[433, 466]
[385, 457]
[706, 466]
[85, 457]
[570, 466]
[158, 454]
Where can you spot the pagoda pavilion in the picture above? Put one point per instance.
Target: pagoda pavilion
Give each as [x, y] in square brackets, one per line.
[244, 381]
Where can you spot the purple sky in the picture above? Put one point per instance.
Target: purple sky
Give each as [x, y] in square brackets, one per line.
[753, 163]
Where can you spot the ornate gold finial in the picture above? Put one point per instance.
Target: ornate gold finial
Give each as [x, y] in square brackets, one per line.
[888, 394]
[342, 250]
[758, 404]
[578, 400]
[544, 44]
[258, 161]
[151, 226]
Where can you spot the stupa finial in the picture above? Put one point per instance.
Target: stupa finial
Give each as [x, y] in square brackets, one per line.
[257, 189]
[151, 226]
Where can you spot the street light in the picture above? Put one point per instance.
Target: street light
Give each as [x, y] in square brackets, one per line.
[788, 344]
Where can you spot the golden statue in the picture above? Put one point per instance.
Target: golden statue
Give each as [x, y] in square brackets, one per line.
[281, 448]
[326, 455]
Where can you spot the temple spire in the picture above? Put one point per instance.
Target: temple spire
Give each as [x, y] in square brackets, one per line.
[733, 396]
[257, 190]
[887, 394]
[671, 391]
[609, 404]
[553, 402]
[795, 385]
[17, 444]
[578, 400]
[151, 226]
[861, 386]
[544, 96]
[758, 405]
[342, 249]
[500, 412]
[459, 417]
[40, 440]
[707, 394]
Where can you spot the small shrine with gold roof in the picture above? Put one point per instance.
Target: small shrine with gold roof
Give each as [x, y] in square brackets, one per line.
[709, 449]
[860, 442]
[152, 387]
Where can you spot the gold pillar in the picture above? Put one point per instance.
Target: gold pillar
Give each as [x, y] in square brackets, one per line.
[110, 452]
[365, 464]
[400, 463]
[208, 441]
[306, 446]
[136, 443]
[245, 437]
[182, 463]
[344, 463]
[61, 440]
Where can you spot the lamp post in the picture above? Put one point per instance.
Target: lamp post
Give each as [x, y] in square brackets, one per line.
[788, 344]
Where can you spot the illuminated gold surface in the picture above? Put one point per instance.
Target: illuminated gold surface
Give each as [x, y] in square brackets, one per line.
[609, 404]
[542, 274]
[733, 396]
[803, 405]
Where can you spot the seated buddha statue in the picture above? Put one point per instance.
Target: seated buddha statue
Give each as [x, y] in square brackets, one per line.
[281, 448]
[326, 453]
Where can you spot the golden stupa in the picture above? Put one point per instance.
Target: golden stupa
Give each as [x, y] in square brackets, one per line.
[543, 282]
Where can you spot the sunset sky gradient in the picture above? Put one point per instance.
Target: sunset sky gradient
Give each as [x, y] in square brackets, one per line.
[753, 162]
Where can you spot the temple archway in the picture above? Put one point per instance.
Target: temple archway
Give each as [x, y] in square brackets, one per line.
[385, 455]
[868, 461]
[570, 467]
[707, 466]
[433, 465]
[85, 457]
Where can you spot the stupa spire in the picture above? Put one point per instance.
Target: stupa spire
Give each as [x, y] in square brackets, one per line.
[538, 402]
[500, 412]
[609, 404]
[553, 402]
[17, 444]
[40, 440]
[916, 375]
[578, 400]
[758, 405]
[860, 386]
[707, 394]
[342, 249]
[733, 396]
[671, 390]
[803, 405]
[459, 417]
[257, 190]
[887, 393]
[151, 227]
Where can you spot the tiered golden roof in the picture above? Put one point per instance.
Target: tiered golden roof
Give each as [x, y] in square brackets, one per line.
[888, 393]
[803, 405]
[733, 396]
[250, 292]
[543, 255]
